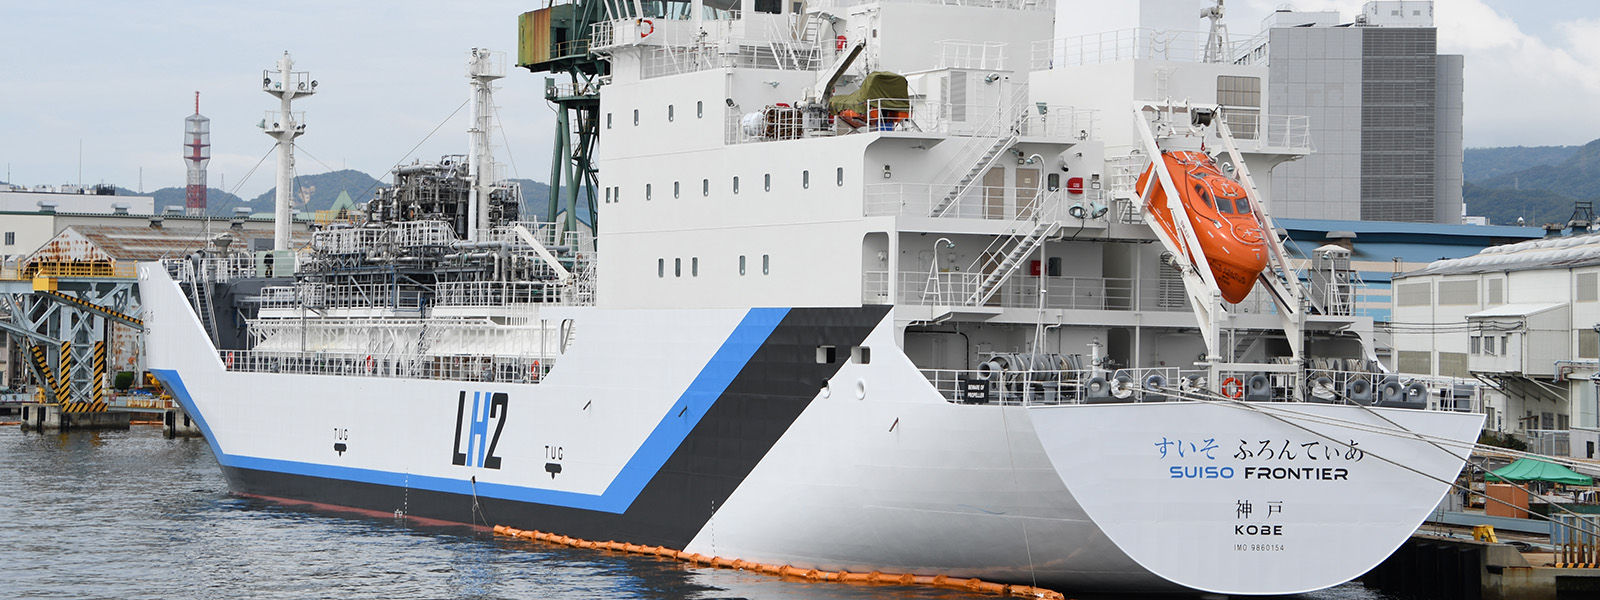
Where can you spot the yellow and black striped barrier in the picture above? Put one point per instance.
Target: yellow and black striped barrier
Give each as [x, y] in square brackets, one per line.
[83, 407]
[99, 364]
[91, 307]
[50, 379]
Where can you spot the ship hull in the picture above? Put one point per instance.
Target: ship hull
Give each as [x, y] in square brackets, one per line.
[729, 433]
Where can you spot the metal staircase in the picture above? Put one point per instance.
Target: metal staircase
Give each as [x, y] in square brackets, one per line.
[1001, 129]
[200, 294]
[1020, 247]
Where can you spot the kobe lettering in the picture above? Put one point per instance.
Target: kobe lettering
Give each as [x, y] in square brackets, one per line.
[479, 449]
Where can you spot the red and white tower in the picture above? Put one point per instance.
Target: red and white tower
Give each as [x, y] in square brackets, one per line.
[196, 153]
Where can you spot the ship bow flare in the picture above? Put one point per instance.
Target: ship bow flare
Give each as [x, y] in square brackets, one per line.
[1255, 499]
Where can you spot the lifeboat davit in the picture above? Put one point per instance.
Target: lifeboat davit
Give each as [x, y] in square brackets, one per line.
[1219, 212]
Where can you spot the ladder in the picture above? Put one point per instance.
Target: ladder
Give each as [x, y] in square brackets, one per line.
[1021, 247]
[200, 294]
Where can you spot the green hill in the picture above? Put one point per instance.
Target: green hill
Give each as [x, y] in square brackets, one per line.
[1479, 164]
[317, 192]
[1578, 176]
[218, 202]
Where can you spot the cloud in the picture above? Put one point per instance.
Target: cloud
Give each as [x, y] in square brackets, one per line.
[1521, 89]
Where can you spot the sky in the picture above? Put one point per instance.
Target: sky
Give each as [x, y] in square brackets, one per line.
[96, 91]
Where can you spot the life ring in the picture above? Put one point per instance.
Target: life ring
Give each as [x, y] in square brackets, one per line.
[643, 23]
[535, 369]
[1233, 388]
[229, 359]
[372, 364]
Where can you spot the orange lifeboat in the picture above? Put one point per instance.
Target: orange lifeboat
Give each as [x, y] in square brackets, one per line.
[1221, 216]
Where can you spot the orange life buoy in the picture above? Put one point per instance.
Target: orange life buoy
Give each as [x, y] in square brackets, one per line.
[372, 364]
[535, 369]
[643, 23]
[230, 360]
[1232, 387]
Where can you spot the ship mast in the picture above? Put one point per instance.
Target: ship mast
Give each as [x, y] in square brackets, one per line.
[284, 126]
[482, 70]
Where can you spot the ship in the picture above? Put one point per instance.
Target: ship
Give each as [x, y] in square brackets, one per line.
[856, 296]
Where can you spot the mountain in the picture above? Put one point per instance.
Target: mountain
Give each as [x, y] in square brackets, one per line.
[1479, 164]
[1577, 177]
[317, 192]
[1541, 193]
[1504, 205]
[218, 202]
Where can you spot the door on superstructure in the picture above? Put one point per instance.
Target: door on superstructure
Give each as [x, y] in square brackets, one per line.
[994, 193]
[991, 263]
[1027, 185]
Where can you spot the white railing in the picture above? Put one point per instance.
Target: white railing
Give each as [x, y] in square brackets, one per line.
[1059, 122]
[1255, 131]
[477, 368]
[1129, 44]
[661, 61]
[363, 239]
[1054, 386]
[1030, 5]
[961, 54]
[496, 293]
[213, 270]
[1021, 290]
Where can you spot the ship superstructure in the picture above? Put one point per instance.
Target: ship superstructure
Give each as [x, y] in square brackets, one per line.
[876, 287]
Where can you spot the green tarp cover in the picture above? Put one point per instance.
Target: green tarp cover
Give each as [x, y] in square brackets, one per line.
[879, 85]
[1527, 469]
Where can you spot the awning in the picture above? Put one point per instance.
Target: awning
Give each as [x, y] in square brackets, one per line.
[1528, 469]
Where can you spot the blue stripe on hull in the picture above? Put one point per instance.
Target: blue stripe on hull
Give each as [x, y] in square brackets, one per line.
[669, 433]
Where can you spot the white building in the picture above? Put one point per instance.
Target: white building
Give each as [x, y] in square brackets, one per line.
[1524, 318]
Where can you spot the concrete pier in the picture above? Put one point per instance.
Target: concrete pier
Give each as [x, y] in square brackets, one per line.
[1428, 567]
[51, 417]
[175, 423]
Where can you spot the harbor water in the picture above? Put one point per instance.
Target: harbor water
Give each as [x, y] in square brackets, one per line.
[130, 514]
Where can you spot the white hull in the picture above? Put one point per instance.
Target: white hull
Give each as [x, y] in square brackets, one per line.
[876, 472]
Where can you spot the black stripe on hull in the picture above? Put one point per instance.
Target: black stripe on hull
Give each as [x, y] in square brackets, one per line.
[755, 410]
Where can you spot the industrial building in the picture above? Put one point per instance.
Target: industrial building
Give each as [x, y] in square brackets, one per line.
[1522, 318]
[1385, 113]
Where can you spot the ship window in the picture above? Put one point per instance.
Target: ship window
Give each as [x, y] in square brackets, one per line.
[705, 187]
[766, 264]
[860, 355]
[1244, 206]
[838, 176]
[1052, 182]
[1201, 190]
[1224, 205]
[805, 179]
[674, 189]
[635, 116]
[827, 355]
[608, 120]
[11, 238]
[741, 264]
[669, 112]
[766, 181]
[608, 195]
[677, 267]
[694, 266]
[735, 184]
[647, 191]
[661, 267]
[699, 109]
